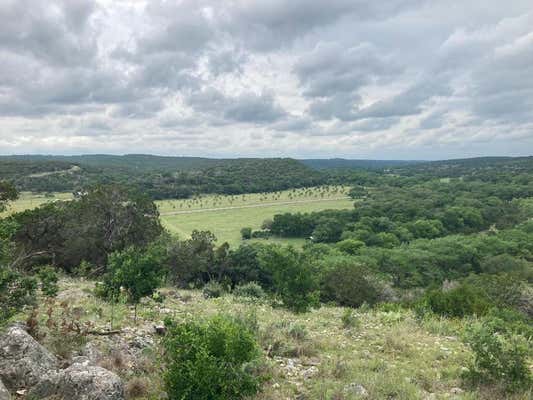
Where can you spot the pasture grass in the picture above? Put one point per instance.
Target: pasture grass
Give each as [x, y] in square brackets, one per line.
[226, 215]
[28, 200]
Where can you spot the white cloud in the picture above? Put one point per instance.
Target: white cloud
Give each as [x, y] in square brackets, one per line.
[396, 79]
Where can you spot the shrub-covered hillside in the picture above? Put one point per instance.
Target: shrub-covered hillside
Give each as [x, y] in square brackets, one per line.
[160, 177]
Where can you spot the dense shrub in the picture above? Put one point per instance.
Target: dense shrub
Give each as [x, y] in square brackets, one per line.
[136, 271]
[460, 301]
[210, 360]
[350, 246]
[243, 266]
[504, 290]
[498, 357]
[348, 283]
[293, 278]
[48, 278]
[246, 233]
[261, 234]
[251, 289]
[16, 291]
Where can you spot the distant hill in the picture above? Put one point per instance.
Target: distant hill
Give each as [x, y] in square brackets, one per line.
[132, 161]
[342, 163]
[468, 166]
[161, 177]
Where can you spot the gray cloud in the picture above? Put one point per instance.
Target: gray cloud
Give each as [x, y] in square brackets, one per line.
[247, 107]
[344, 77]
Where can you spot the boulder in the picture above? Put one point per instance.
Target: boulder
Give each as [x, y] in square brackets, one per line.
[23, 361]
[81, 382]
[4, 394]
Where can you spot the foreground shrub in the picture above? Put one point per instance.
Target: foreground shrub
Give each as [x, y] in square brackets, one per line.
[48, 278]
[210, 360]
[213, 290]
[250, 289]
[16, 291]
[498, 358]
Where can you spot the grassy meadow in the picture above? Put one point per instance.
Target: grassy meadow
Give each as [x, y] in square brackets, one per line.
[226, 215]
[29, 200]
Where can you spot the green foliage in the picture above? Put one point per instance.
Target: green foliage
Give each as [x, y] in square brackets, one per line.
[213, 290]
[293, 278]
[327, 230]
[192, 261]
[350, 246]
[8, 192]
[99, 222]
[210, 360]
[48, 278]
[250, 289]
[244, 266]
[349, 283]
[137, 271]
[246, 233]
[16, 291]
[500, 358]
[460, 301]
[160, 177]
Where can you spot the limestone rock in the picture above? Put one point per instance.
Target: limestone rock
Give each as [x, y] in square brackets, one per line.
[23, 361]
[81, 382]
[4, 394]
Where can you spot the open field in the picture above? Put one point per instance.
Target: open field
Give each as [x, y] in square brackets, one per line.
[223, 215]
[226, 215]
[29, 200]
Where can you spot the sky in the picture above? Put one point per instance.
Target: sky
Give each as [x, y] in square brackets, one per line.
[395, 79]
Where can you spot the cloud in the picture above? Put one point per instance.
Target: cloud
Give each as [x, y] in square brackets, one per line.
[246, 107]
[400, 78]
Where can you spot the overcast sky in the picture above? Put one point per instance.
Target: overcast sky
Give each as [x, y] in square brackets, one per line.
[394, 79]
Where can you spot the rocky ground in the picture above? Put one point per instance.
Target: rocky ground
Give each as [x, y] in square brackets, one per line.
[79, 347]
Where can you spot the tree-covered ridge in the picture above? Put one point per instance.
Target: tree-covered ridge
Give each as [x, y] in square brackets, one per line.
[343, 163]
[483, 168]
[160, 177]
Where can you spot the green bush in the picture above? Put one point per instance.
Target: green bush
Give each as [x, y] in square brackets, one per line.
[498, 357]
[135, 271]
[251, 289]
[460, 301]
[293, 278]
[246, 233]
[48, 278]
[350, 246]
[213, 290]
[210, 360]
[348, 283]
[16, 291]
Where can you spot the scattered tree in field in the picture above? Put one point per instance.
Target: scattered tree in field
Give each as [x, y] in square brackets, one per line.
[246, 233]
